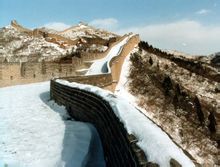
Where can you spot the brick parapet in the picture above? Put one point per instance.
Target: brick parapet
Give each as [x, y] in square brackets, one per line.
[119, 148]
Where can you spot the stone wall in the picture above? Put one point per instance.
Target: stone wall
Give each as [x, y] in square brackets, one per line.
[29, 72]
[102, 81]
[117, 62]
[120, 149]
[61, 40]
[54, 38]
[110, 80]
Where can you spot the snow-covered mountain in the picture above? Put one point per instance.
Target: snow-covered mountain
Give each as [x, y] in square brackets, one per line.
[18, 46]
[84, 30]
[21, 44]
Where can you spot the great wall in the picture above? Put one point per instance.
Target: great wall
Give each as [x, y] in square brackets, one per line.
[123, 152]
[13, 73]
[60, 39]
[120, 148]
[206, 111]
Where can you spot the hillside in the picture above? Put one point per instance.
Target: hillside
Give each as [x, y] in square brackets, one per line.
[19, 44]
[16, 46]
[181, 94]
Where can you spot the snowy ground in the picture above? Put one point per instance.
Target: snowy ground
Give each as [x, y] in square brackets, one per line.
[101, 66]
[35, 132]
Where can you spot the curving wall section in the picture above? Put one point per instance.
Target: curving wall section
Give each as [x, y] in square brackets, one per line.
[120, 149]
[109, 80]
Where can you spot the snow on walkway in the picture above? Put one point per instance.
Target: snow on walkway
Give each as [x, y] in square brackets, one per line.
[35, 132]
[101, 66]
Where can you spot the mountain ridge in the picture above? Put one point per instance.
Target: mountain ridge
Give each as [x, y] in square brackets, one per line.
[48, 44]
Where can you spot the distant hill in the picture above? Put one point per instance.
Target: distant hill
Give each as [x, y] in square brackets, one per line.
[20, 44]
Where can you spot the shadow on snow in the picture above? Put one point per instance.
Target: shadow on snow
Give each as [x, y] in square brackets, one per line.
[81, 143]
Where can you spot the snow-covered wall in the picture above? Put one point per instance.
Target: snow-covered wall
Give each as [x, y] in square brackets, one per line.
[109, 80]
[120, 149]
[117, 62]
[85, 104]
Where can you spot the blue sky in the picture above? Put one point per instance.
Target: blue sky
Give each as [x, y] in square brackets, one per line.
[168, 24]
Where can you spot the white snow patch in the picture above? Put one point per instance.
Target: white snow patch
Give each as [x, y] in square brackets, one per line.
[58, 26]
[34, 131]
